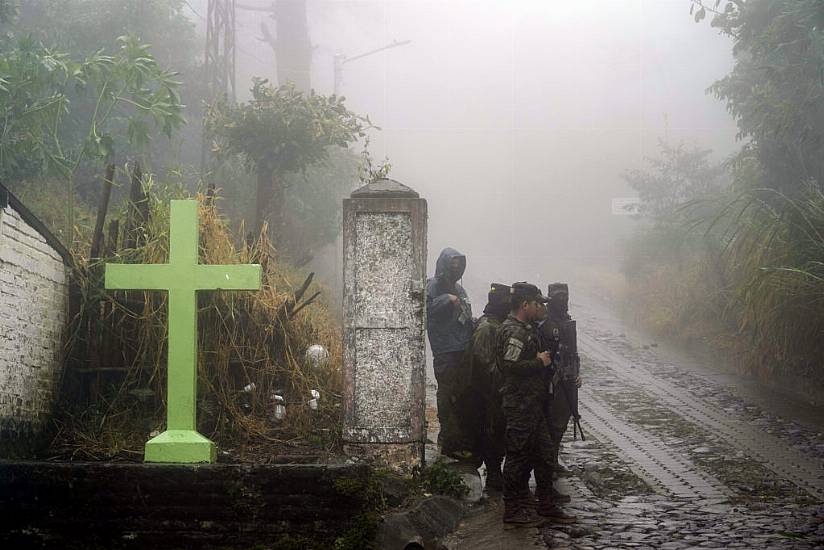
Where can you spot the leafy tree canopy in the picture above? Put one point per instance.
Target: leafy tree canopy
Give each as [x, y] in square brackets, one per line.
[83, 27]
[678, 175]
[86, 28]
[128, 89]
[281, 129]
[776, 89]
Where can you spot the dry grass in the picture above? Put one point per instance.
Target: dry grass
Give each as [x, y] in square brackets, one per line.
[755, 289]
[243, 338]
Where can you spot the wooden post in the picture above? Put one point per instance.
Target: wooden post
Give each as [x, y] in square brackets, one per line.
[136, 199]
[111, 240]
[102, 209]
[108, 312]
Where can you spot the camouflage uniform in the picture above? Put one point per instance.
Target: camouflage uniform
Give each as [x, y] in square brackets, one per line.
[528, 444]
[563, 387]
[486, 386]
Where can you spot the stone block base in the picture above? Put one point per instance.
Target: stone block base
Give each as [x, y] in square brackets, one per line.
[400, 457]
[181, 447]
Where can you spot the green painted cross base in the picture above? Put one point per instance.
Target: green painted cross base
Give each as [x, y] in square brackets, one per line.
[182, 446]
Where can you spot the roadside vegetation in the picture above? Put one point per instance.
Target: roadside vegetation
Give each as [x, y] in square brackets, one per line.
[105, 118]
[733, 252]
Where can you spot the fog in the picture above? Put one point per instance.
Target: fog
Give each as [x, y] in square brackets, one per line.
[515, 119]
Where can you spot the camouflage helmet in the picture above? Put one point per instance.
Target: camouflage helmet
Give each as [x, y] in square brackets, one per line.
[498, 293]
[497, 300]
[559, 294]
[528, 291]
[556, 289]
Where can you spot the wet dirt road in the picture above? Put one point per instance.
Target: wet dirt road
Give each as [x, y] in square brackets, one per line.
[676, 456]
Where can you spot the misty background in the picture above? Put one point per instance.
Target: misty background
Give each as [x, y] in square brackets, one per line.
[515, 120]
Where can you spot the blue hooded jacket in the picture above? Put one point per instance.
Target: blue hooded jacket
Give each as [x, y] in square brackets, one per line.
[449, 326]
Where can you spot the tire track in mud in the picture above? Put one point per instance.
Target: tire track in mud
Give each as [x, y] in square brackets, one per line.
[653, 461]
[773, 453]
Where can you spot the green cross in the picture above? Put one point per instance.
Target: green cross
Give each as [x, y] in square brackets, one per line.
[182, 277]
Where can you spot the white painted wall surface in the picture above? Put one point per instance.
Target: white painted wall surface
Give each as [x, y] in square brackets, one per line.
[33, 306]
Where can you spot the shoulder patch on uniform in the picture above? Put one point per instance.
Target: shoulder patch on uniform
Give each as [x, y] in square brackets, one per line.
[513, 349]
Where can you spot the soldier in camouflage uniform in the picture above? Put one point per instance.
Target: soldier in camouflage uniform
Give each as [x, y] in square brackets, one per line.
[559, 330]
[486, 384]
[524, 404]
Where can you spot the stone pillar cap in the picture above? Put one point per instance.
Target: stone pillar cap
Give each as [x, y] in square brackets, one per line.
[384, 189]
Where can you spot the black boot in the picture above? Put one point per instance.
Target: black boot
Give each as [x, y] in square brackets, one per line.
[549, 509]
[494, 479]
[518, 515]
[560, 497]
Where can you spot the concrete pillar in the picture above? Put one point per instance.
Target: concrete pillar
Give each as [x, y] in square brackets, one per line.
[384, 270]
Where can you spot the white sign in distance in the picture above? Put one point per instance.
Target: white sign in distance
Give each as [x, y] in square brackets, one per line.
[625, 206]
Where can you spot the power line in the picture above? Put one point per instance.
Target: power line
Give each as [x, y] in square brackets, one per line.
[194, 11]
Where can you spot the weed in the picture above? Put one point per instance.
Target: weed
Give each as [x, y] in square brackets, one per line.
[438, 478]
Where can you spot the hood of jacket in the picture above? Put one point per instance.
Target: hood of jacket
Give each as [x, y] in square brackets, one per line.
[442, 266]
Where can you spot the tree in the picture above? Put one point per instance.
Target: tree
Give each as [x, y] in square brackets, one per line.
[290, 43]
[127, 89]
[776, 90]
[679, 175]
[83, 28]
[281, 131]
[8, 9]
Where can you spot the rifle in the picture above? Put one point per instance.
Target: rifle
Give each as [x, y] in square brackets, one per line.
[564, 350]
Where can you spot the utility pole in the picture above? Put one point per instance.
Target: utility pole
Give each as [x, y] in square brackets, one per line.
[219, 58]
[341, 60]
[220, 49]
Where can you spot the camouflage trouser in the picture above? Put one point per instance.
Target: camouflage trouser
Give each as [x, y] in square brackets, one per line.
[449, 374]
[528, 447]
[493, 436]
[559, 415]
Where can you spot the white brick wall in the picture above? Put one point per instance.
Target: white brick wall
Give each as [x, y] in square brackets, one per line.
[33, 305]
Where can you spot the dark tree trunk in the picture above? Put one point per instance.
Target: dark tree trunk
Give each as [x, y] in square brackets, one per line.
[263, 196]
[270, 200]
[102, 209]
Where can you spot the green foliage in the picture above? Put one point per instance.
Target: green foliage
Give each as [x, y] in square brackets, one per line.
[128, 89]
[83, 29]
[439, 478]
[8, 10]
[680, 174]
[361, 535]
[368, 171]
[47, 200]
[313, 203]
[776, 89]
[281, 129]
[367, 493]
[33, 80]
[776, 257]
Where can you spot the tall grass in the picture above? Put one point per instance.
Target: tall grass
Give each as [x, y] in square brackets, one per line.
[776, 259]
[244, 339]
[745, 275]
